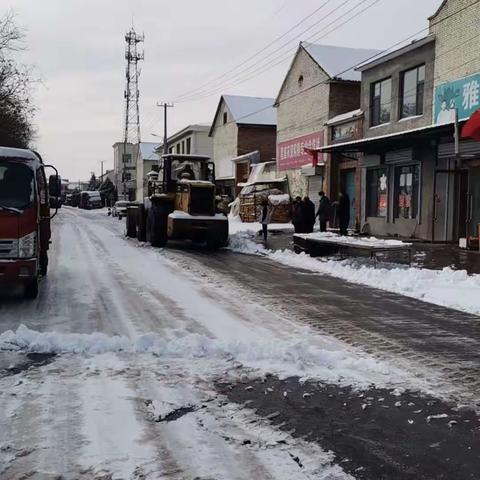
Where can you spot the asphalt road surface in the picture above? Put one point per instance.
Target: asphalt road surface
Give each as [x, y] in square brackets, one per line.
[169, 377]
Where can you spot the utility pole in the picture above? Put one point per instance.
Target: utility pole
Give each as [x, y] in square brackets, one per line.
[165, 106]
[132, 95]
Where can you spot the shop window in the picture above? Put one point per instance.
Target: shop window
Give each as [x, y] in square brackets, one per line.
[377, 192]
[413, 86]
[381, 102]
[406, 191]
[189, 145]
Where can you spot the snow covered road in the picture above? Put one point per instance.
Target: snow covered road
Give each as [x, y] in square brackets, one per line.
[113, 372]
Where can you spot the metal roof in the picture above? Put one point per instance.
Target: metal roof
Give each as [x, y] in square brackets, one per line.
[339, 62]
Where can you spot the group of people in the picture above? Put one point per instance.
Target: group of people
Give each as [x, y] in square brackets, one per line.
[304, 215]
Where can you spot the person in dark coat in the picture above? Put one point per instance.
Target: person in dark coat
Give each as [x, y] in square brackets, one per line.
[297, 215]
[308, 214]
[343, 212]
[265, 217]
[323, 212]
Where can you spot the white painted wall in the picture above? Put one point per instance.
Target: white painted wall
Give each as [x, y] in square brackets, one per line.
[225, 144]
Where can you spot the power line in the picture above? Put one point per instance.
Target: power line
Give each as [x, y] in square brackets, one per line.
[271, 63]
[314, 120]
[377, 55]
[247, 70]
[257, 53]
[353, 66]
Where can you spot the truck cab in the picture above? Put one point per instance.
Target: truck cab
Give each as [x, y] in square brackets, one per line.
[24, 218]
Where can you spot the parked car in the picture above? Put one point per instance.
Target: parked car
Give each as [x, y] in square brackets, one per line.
[120, 209]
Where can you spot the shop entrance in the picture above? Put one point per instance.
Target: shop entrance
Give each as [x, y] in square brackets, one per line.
[451, 205]
[347, 183]
[473, 201]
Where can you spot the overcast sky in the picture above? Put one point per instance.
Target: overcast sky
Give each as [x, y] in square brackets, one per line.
[78, 46]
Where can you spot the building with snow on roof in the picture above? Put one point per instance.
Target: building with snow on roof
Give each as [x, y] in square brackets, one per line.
[320, 84]
[242, 127]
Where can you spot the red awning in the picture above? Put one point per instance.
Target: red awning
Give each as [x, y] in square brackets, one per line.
[472, 128]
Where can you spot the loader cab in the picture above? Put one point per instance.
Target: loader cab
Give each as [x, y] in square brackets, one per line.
[177, 168]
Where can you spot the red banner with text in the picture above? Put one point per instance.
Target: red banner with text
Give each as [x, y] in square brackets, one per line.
[292, 154]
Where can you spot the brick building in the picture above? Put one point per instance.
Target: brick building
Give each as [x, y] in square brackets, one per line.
[414, 184]
[320, 84]
[241, 125]
[457, 87]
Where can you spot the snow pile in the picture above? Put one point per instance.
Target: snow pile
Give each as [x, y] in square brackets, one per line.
[235, 225]
[279, 199]
[360, 241]
[308, 355]
[243, 242]
[448, 288]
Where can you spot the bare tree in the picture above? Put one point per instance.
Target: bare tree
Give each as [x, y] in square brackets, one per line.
[16, 108]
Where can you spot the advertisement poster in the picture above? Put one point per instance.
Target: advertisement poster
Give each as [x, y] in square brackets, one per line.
[291, 154]
[463, 95]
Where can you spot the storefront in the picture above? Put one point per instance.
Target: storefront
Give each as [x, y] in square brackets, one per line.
[342, 172]
[407, 187]
[461, 170]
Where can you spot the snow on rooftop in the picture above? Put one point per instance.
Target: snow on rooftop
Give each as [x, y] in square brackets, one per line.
[251, 110]
[339, 62]
[148, 152]
[345, 116]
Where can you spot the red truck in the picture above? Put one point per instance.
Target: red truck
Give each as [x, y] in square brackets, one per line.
[24, 218]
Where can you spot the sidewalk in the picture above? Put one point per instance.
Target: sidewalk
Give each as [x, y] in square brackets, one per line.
[433, 256]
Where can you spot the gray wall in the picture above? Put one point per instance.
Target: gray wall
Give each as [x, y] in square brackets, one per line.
[394, 69]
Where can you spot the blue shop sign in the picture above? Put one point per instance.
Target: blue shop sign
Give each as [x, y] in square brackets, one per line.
[463, 95]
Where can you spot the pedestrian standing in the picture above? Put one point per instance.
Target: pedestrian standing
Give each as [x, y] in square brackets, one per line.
[265, 217]
[309, 214]
[323, 212]
[343, 211]
[297, 215]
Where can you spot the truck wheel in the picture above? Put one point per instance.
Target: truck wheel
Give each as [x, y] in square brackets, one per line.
[158, 216]
[43, 264]
[31, 289]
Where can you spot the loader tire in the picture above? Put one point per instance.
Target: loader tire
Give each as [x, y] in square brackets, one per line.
[158, 217]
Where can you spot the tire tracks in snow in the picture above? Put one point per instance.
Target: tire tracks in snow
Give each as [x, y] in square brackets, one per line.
[452, 377]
